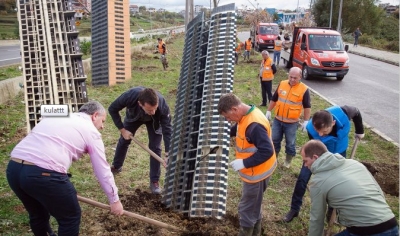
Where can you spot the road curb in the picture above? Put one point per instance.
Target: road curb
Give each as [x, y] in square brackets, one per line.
[376, 131]
[375, 58]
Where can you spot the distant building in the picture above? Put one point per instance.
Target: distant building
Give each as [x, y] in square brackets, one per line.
[182, 13]
[111, 58]
[270, 11]
[134, 9]
[391, 9]
[161, 10]
[197, 9]
[151, 9]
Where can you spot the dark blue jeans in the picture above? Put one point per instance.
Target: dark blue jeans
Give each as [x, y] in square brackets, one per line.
[391, 232]
[266, 90]
[301, 187]
[44, 193]
[155, 137]
[279, 129]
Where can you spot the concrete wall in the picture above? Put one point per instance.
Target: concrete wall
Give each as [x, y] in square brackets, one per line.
[10, 88]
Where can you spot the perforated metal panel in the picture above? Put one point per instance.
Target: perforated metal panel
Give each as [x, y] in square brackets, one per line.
[196, 181]
[51, 58]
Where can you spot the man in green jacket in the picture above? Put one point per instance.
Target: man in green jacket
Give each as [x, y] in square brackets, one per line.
[347, 186]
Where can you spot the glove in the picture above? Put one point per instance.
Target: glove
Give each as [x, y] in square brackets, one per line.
[268, 115]
[304, 126]
[359, 136]
[237, 164]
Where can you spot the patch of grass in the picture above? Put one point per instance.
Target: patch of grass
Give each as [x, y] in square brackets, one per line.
[9, 72]
[147, 71]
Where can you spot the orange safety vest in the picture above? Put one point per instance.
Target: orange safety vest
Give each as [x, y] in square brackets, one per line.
[238, 47]
[290, 102]
[248, 45]
[266, 72]
[160, 48]
[244, 149]
[278, 45]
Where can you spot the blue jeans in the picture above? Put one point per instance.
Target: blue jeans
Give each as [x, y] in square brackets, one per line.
[43, 193]
[277, 57]
[155, 137]
[391, 232]
[301, 187]
[280, 128]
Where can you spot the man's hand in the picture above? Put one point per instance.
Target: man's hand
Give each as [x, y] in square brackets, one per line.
[268, 115]
[304, 126]
[237, 164]
[166, 158]
[117, 208]
[360, 136]
[125, 133]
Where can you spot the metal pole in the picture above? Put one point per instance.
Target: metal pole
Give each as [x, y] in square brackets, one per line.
[330, 18]
[339, 26]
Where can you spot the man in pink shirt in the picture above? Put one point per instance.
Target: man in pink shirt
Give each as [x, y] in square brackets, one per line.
[37, 171]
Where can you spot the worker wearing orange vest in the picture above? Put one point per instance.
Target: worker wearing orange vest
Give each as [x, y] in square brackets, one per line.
[238, 49]
[277, 50]
[247, 48]
[289, 99]
[266, 75]
[255, 158]
[162, 49]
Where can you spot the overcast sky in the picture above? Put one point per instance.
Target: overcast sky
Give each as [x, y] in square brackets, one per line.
[178, 5]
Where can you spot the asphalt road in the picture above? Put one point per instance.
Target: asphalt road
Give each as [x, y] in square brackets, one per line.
[370, 85]
[9, 55]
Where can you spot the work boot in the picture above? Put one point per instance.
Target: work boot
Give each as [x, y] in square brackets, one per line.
[155, 187]
[288, 160]
[116, 170]
[257, 228]
[290, 215]
[246, 231]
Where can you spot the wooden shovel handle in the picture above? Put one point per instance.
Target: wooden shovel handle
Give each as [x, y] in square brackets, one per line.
[149, 151]
[130, 214]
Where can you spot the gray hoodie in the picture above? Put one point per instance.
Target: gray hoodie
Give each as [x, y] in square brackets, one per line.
[347, 186]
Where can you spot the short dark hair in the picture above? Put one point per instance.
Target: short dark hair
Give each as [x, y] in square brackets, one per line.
[227, 101]
[149, 96]
[159, 39]
[314, 147]
[92, 107]
[322, 119]
[279, 37]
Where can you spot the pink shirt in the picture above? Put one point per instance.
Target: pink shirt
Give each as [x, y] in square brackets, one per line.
[54, 143]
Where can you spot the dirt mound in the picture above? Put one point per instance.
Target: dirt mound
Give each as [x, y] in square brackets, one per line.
[387, 176]
[150, 206]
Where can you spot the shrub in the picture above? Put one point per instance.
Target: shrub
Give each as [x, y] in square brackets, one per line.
[86, 47]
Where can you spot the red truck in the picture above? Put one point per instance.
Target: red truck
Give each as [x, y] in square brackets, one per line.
[318, 52]
[264, 35]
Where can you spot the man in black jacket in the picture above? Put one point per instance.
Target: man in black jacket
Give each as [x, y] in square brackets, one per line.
[143, 106]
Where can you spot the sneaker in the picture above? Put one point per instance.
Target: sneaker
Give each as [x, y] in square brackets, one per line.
[155, 187]
[290, 215]
[116, 170]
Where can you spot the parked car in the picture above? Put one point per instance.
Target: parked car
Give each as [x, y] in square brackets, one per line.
[141, 31]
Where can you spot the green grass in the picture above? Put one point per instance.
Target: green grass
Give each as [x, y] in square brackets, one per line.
[9, 72]
[147, 71]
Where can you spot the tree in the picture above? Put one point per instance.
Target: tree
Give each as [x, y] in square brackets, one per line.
[142, 8]
[355, 13]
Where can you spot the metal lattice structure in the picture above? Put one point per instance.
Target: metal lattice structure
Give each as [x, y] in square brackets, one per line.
[111, 46]
[196, 180]
[51, 57]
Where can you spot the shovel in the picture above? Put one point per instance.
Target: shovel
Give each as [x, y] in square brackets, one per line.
[149, 151]
[333, 216]
[130, 214]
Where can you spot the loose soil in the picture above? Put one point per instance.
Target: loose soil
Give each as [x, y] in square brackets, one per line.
[146, 204]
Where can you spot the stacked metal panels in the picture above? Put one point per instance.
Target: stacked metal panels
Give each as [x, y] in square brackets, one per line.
[196, 181]
[51, 57]
[111, 48]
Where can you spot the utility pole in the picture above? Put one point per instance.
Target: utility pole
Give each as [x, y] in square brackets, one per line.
[339, 26]
[330, 18]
